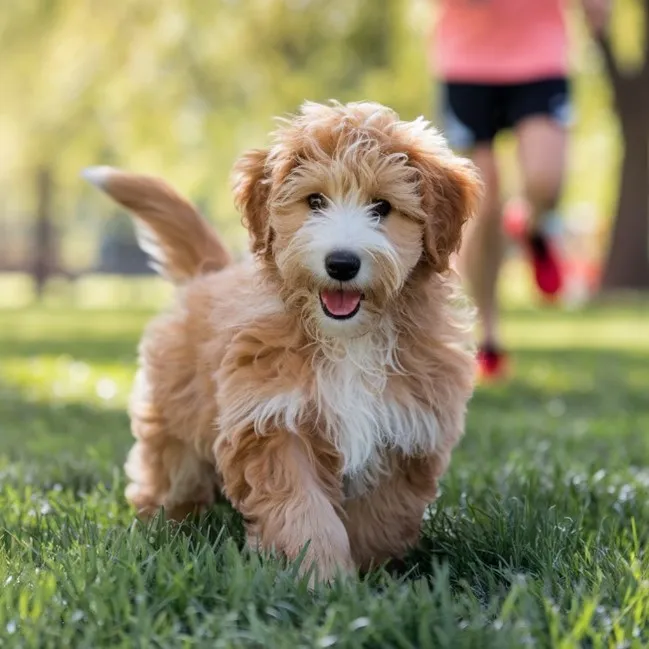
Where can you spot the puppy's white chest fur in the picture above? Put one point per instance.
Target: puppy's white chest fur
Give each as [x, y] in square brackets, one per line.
[362, 419]
[354, 408]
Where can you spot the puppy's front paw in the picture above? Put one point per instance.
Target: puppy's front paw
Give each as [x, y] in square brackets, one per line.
[325, 556]
[326, 561]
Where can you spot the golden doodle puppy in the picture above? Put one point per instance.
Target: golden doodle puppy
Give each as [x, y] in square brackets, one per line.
[322, 385]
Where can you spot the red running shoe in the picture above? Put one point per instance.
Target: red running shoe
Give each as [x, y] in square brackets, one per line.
[546, 264]
[492, 363]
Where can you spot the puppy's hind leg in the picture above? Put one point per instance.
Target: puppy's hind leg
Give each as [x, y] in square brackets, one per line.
[165, 471]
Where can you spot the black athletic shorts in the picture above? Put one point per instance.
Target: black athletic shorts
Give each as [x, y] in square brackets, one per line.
[474, 113]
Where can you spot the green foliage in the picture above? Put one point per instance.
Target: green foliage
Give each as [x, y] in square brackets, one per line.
[539, 537]
[180, 88]
[629, 32]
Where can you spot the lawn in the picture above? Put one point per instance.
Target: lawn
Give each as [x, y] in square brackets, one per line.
[538, 539]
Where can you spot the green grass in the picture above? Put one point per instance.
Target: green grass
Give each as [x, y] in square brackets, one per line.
[538, 539]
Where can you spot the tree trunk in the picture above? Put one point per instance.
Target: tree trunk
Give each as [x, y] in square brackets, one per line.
[627, 266]
[43, 250]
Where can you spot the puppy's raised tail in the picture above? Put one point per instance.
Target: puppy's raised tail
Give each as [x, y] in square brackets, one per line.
[169, 229]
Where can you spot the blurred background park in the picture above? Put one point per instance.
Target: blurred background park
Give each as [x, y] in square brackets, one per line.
[180, 88]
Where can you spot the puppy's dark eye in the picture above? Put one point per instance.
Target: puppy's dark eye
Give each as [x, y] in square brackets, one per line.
[316, 202]
[381, 208]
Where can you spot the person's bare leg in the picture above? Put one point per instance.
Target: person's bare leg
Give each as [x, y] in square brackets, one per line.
[483, 247]
[542, 155]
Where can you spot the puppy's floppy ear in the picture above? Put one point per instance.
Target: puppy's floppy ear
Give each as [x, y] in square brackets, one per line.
[251, 187]
[451, 190]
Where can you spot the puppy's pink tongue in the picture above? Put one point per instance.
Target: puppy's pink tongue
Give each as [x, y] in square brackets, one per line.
[340, 302]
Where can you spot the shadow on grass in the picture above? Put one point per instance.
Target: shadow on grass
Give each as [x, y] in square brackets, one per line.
[73, 445]
[90, 350]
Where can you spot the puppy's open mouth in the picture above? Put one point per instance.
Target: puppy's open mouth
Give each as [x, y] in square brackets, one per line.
[339, 304]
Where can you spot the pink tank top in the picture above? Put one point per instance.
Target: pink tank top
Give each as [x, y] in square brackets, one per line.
[499, 41]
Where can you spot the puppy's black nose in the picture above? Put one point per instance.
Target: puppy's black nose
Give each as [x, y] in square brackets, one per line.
[342, 265]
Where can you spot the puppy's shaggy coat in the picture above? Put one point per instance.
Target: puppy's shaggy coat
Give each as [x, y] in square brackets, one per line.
[321, 394]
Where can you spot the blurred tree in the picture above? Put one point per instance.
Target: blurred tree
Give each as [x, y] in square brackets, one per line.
[46, 106]
[44, 253]
[180, 88]
[627, 266]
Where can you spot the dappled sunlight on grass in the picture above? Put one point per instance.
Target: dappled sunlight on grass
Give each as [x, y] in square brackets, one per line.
[592, 329]
[61, 379]
[90, 291]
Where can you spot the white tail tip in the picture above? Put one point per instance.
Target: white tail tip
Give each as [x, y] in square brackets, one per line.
[97, 176]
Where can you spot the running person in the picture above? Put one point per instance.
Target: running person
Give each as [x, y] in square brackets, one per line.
[503, 64]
